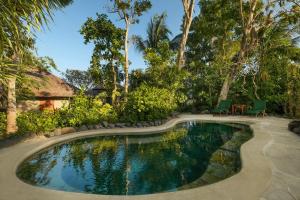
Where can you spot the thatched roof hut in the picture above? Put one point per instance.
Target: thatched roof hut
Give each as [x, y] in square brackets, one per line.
[47, 85]
[47, 91]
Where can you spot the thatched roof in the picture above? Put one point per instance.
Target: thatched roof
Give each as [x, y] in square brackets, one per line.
[47, 85]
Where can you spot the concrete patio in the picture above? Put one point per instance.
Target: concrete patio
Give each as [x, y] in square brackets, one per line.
[271, 165]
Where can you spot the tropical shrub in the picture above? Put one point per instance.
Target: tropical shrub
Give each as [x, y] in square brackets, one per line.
[37, 121]
[82, 111]
[149, 103]
[85, 110]
[2, 123]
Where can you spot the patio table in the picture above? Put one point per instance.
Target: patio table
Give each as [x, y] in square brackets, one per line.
[241, 108]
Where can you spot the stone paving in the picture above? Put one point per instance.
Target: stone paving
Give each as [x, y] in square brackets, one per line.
[284, 153]
[271, 165]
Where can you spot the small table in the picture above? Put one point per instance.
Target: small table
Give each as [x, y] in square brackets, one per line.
[238, 108]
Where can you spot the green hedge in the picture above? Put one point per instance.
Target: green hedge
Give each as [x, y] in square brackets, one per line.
[85, 110]
[81, 111]
[149, 103]
[37, 121]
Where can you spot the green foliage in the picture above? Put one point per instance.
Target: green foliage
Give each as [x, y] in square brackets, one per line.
[266, 70]
[85, 110]
[148, 103]
[2, 123]
[157, 31]
[17, 19]
[37, 121]
[130, 9]
[108, 51]
[162, 71]
[78, 78]
[81, 111]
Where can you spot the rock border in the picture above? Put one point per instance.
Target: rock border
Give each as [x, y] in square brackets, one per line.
[294, 126]
[107, 125]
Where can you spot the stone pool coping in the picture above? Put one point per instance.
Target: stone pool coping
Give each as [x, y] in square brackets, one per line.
[251, 182]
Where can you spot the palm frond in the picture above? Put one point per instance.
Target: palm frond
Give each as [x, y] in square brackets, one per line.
[157, 31]
[138, 43]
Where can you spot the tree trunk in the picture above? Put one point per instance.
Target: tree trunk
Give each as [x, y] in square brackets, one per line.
[188, 18]
[126, 65]
[11, 107]
[225, 88]
[113, 96]
[244, 49]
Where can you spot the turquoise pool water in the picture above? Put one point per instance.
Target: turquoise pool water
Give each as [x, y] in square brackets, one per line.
[191, 154]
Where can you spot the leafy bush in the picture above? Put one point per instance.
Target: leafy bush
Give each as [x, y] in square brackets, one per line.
[37, 121]
[2, 123]
[148, 103]
[85, 110]
[82, 111]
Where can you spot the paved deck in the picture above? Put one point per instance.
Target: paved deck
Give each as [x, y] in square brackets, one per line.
[271, 166]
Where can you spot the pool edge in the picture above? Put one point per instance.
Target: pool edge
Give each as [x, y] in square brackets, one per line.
[250, 150]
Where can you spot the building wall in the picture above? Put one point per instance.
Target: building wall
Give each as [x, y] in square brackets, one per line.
[29, 105]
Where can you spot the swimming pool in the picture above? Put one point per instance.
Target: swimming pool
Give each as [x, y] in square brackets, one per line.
[191, 154]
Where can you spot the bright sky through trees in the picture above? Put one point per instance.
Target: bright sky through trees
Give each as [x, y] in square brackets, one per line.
[64, 43]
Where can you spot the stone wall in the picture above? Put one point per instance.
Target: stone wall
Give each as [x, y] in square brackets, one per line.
[28, 105]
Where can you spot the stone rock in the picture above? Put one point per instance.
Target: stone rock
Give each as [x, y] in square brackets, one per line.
[145, 124]
[174, 114]
[164, 121]
[139, 125]
[152, 123]
[120, 125]
[157, 122]
[293, 125]
[133, 124]
[57, 132]
[98, 126]
[128, 124]
[91, 127]
[49, 134]
[105, 124]
[83, 128]
[205, 112]
[297, 130]
[67, 130]
[111, 125]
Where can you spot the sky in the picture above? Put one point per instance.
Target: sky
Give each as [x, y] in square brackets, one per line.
[63, 42]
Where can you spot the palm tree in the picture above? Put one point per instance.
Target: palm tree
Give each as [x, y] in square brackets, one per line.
[16, 19]
[157, 31]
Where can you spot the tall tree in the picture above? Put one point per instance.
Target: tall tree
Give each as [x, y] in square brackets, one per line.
[188, 6]
[17, 17]
[78, 78]
[213, 41]
[257, 17]
[129, 11]
[157, 31]
[109, 46]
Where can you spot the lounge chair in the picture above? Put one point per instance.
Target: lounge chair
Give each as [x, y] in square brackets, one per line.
[259, 107]
[223, 107]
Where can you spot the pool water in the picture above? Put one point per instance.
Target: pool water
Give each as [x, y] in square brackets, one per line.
[191, 154]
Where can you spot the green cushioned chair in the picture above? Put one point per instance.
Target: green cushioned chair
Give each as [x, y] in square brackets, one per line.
[259, 107]
[223, 107]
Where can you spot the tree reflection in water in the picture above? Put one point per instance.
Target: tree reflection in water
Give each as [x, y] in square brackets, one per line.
[189, 155]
